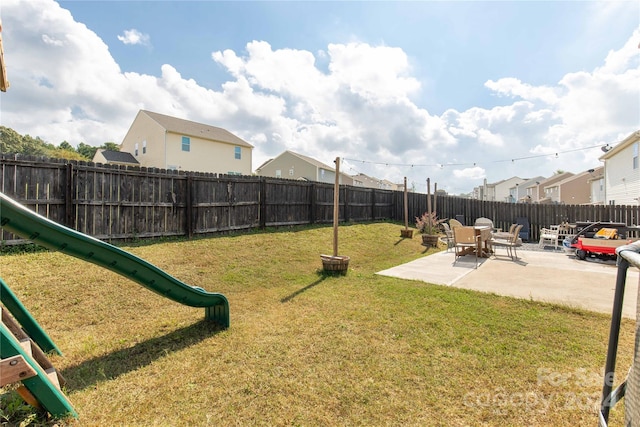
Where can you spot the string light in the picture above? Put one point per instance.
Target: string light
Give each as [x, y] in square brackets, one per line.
[442, 165]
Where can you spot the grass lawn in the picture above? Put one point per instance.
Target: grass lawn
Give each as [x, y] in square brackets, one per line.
[307, 349]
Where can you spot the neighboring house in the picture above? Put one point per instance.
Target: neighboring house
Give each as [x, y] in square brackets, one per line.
[596, 183]
[484, 192]
[531, 189]
[362, 180]
[622, 172]
[573, 190]
[292, 165]
[501, 191]
[166, 142]
[477, 193]
[109, 157]
[385, 184]
[520, 190]
[543, 192]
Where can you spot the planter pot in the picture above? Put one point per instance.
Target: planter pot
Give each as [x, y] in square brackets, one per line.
[408, 233]
[335, 264]
[430, 240]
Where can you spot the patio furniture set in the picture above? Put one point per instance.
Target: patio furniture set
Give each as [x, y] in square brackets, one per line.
[481, 239]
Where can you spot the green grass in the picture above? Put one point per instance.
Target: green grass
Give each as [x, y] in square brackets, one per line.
[310, 349]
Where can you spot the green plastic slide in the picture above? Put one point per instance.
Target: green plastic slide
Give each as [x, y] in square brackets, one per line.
[29, 225]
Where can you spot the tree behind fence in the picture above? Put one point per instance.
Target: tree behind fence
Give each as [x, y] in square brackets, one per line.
[118, 202]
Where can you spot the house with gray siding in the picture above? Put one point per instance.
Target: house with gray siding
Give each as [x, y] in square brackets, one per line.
[290, 165]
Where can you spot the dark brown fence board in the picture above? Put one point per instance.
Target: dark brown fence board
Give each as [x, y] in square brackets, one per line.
[286, 202]
[324, 204]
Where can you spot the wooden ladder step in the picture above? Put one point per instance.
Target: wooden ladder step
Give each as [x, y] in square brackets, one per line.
[52, 373]
[32, 349]
[25, 343]
[14, 369]
[25, 362]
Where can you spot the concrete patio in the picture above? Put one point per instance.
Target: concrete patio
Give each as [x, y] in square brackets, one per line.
[548, 276]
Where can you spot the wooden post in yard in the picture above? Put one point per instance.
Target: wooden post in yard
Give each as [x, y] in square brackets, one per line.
[435, 197]
[406, 208]
[336, 207]
[429, 196]
[4, 82]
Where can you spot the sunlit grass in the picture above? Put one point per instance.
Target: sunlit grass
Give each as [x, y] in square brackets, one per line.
[307, 349]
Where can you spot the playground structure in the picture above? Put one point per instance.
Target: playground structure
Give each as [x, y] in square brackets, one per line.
[24, 343]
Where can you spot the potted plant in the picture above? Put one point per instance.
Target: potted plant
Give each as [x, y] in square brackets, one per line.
[429, 226]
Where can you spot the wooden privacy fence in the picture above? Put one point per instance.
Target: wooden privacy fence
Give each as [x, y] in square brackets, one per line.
[118, 202]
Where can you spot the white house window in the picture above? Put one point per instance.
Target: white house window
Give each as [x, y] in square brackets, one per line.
[291, 172]
[144, 146]
[635, 155]
[135, 150]
[278, 173]
[186, 143]
[238, 153]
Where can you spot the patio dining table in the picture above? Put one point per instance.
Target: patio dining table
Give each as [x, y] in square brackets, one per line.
[482, 248]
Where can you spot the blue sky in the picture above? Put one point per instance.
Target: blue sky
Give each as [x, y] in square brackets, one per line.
[451, 86]
[454, 47]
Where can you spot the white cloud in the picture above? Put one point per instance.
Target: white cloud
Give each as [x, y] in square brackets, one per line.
[51, 41]
[376, 73]
[515, 88]
[134, 37]
[65, 85]
[474, 173]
